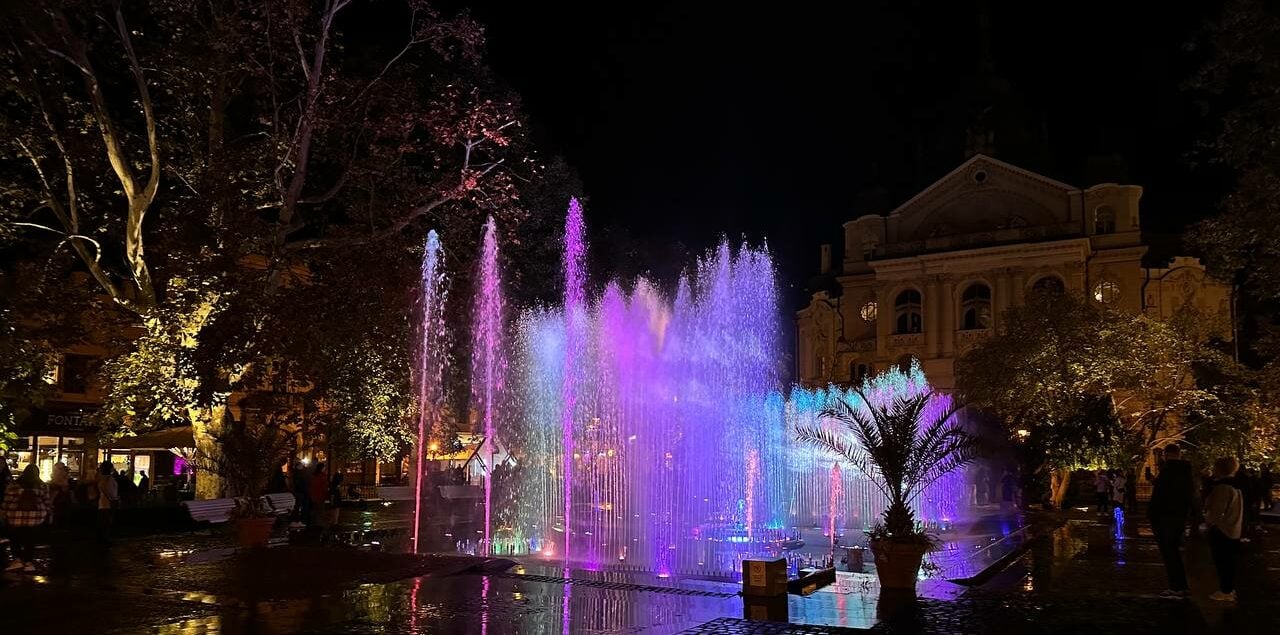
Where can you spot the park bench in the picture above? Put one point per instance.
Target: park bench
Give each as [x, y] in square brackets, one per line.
[214, 511]
[218, 510]
[279, 504]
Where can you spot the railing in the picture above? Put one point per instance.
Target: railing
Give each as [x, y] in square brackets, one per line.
[967, 339]
[862, 346]
[905, 340]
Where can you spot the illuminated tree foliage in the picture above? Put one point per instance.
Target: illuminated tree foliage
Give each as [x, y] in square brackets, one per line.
[1089, 385]
[214, 167]
[1239, 90]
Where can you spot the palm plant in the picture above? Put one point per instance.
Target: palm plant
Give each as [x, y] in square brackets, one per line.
[897, 448]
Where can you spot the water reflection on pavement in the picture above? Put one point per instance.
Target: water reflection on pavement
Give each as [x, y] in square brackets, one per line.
[465, 604]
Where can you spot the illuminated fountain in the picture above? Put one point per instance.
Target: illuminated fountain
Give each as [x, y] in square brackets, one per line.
[488, 361]
[646, 431]
[432, 357]
[653, 431]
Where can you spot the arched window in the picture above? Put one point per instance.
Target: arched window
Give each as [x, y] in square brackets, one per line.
[1049, 284]
[858, 373]
[975, 307]
[1106, 292]
[907, 312]
[1104, 220]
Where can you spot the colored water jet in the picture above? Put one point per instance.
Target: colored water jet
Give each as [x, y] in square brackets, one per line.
[488, 361]
[432, 356]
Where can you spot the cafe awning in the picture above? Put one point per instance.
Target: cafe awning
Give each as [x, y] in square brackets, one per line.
[180, 437]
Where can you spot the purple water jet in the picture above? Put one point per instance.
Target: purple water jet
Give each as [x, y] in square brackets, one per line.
[488, 361]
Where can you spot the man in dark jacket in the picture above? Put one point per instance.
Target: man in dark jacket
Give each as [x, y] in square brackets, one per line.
[1173, 501]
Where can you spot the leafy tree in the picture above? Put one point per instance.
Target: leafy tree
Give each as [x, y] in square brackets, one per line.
[37, 321]
[216, 166]
[1238, 85]
[1087, 384]
[1239, 89]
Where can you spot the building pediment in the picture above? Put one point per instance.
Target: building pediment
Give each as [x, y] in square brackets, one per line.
[984, 195]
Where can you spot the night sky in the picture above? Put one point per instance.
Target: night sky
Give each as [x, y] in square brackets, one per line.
[692, 120]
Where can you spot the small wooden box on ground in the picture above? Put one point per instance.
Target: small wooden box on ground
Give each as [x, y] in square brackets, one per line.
[764, 577]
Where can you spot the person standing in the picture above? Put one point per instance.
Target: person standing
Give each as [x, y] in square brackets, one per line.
[5, 477]
[1008, 491]
[335, 488]
[26, 509]
[301, 493]
[1173, 497]
[1102, 491]
[108, 500]
[1224, 514]
[1266, 482]
[1251, 489]
[319, 485]
[1118, 485]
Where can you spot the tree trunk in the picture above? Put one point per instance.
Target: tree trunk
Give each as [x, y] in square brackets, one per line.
[1059, 484]
[205, 422]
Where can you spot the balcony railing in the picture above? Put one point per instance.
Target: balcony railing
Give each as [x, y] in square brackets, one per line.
[906, 340]
[969, 338]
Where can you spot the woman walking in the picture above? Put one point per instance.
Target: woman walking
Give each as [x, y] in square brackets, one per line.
[26, 508]
[1224, 514]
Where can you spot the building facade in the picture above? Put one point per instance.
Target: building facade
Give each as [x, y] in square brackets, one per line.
[932, 278]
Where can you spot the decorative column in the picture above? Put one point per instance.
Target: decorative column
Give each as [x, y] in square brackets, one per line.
[1001, 301]
[948, 317]
[884, 322]
[1019, 287]
[933, 323]
[1075, 277]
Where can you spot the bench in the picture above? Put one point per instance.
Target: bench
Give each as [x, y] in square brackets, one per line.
[218, 510]
[279, 504]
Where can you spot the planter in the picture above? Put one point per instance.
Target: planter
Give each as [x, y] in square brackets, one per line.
[254, 532]
[898, 563]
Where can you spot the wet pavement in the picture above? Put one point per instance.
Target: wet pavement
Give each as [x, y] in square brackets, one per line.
[1083, 575]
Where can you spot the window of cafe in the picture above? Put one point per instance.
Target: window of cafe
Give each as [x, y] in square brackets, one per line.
[47, 438]
[45, 451]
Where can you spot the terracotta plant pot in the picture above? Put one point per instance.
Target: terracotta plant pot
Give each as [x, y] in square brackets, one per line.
[254, 532]
[898, 563]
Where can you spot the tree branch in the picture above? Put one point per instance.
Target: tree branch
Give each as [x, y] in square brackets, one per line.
[140, 204]
[306, 127]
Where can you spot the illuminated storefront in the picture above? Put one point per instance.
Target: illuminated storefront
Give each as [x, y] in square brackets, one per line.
[56, 435]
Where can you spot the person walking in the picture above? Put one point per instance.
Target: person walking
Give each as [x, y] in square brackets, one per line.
[26, 509]
[1224, 515]
[1173, 501]
[108, 501]
[1102, 491]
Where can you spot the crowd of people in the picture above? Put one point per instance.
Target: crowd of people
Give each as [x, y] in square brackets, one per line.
[29, 505]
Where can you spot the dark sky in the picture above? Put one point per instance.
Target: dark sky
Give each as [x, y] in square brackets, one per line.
[691, 120]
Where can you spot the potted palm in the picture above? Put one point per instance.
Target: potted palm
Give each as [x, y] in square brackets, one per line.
[903, 441]
[244, 456]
